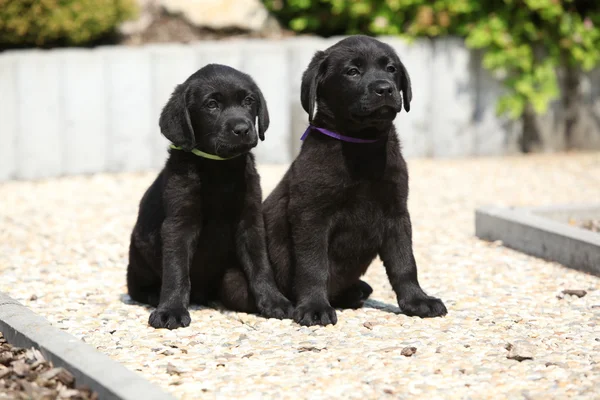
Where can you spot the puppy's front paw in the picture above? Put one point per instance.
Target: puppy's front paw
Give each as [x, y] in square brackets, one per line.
[315, 314]
[170, 318]
[276, 307]
[423, 306]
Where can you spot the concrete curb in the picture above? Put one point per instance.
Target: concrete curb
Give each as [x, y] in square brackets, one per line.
[23, 328]
[100, 108]
[539, 232]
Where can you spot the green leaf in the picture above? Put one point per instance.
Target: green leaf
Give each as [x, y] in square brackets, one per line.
[299, 24]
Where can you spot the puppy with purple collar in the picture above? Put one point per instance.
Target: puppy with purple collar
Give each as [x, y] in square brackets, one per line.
[343, 200]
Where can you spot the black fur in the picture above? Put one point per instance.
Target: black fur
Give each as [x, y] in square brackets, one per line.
[341, 204]
[200, 234]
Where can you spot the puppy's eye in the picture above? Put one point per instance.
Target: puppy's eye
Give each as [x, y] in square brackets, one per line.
[248, 101]
[212, 104]
[352, 72]
[391, 69]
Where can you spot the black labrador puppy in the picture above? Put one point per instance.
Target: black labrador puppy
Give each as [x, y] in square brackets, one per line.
[343, 200]
[200, 235]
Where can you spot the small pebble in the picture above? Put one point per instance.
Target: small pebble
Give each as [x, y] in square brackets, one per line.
[574, 292]
[408, 351]
[172, 370]
[520, 350]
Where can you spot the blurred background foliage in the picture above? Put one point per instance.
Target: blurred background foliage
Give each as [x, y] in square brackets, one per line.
[537, 48]
[524, 42]
[46, 23]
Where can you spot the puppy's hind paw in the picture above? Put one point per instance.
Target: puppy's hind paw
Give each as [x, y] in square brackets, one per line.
[169, 318]
[353, 297]
[315, 314]
[365, 288]
[424, 307]
[279, 308]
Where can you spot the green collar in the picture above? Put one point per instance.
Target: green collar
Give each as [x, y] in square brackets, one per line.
[203, 154]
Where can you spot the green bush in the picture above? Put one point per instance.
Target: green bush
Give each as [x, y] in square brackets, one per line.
[26, 23]
[524, 41]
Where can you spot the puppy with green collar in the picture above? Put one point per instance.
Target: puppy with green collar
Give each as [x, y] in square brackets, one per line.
[200, 233]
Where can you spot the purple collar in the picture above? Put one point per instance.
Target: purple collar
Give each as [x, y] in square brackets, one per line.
[336, 135]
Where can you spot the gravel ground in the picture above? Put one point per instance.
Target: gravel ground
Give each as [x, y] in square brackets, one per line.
[511, 332]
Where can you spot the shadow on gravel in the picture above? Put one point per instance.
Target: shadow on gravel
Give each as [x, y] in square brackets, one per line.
[370, 303]
[125, 299]
[378, 305]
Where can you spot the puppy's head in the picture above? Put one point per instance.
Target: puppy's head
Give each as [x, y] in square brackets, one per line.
[218, 109]
[356, 82]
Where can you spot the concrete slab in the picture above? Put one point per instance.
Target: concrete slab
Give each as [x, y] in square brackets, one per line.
[129, 101]
[85, 112]
[9, 126]
[493, 135]
[39, 144]
[453, 94]
[543, 232]
[270, 71]
[23, 328]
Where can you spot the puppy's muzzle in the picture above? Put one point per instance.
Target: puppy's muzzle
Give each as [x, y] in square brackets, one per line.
[382, 88]
[241, 128]
[381, 93]
[239, 133]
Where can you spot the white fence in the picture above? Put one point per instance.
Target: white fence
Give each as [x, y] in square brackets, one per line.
[72, 111]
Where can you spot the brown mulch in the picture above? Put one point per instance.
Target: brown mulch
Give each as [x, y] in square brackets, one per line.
[25, 374]
[592, 225]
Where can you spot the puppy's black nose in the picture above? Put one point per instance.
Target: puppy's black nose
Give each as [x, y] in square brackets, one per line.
[241, 129]
[383, 88]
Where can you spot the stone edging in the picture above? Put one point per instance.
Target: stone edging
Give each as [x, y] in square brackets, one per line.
[23, 328]
[538, 231]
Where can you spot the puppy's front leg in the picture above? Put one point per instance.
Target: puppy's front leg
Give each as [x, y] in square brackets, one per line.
[312, 272]
[397, 256]
[179, 240]
[252, 250]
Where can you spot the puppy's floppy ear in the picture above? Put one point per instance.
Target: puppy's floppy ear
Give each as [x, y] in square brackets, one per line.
[263, 115]
[175, 123]
[405, 87]
[310, 83]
